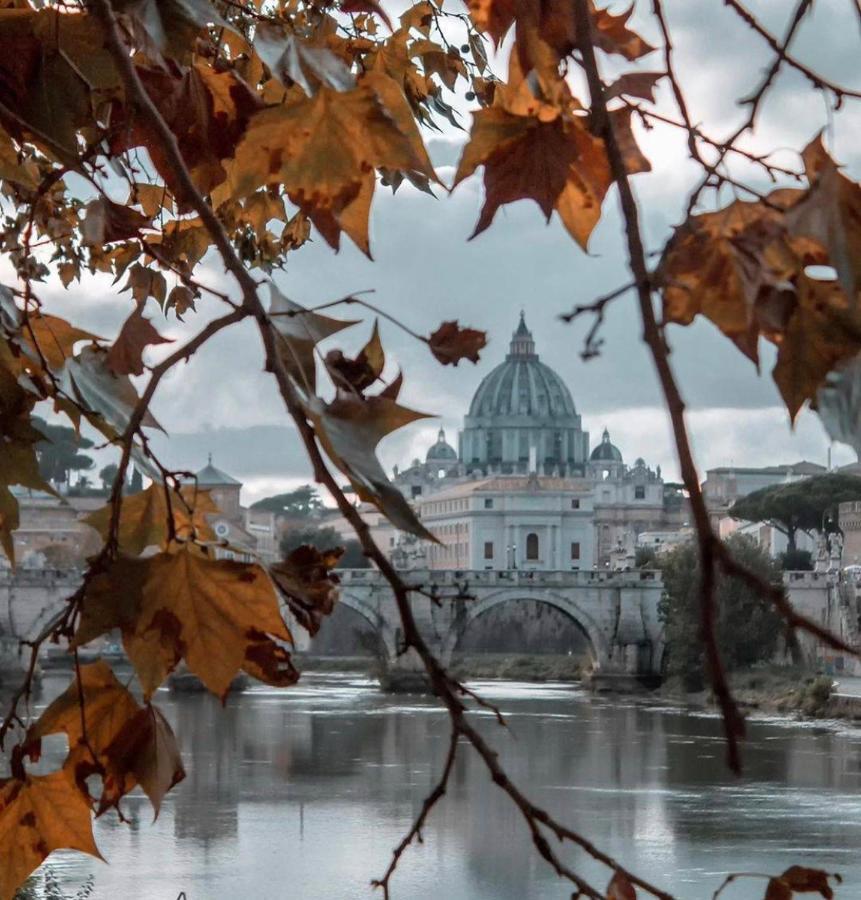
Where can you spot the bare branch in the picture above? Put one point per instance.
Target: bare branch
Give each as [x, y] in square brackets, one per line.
[707, 540]
[446, 687]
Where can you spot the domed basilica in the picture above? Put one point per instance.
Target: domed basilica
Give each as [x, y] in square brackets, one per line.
[523, 489]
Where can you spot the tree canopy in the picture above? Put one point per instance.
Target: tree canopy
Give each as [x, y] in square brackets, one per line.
[323, 539]
[747, 630]
[806, 505]
[301, 502]
[59, 453]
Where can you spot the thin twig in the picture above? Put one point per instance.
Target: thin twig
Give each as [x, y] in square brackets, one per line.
[592, 345]
[415, 832]
[783, 55]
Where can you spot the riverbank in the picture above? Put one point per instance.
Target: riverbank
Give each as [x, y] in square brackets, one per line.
[787, 691]
[535, 668]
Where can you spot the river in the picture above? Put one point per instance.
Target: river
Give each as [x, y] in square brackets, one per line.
[303, 793]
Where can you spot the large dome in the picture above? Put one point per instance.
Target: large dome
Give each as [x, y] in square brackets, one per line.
[522, 385]
[522, 417]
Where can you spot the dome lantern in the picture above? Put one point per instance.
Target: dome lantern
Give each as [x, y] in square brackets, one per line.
[522, 344]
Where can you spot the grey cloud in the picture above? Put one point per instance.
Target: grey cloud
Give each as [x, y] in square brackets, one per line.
[425, 271]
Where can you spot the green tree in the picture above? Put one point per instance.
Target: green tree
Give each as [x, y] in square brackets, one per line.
[646, 558]
[325, 539]
[107, 475]
[302, 502]
[747, 628]
[809, 505]
[796, 561]
[58, 454]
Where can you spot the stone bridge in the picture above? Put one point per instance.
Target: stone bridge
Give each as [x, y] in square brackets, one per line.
[617, 611]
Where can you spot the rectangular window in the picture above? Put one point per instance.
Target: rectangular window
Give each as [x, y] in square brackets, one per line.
[488, 549]
[416, 490]
[639, 492]
[575, 550]
[488, 503]
[575, 504]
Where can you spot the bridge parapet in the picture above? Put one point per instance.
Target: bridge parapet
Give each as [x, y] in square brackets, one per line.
[503, 578]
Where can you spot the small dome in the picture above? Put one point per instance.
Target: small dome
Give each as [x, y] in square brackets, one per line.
[606, 451]
[441, 451]
[522, 386]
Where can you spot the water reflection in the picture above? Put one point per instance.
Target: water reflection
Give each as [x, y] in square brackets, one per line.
[303, 794]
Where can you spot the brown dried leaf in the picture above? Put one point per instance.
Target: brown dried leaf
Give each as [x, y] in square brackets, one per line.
[558, 164]
[137, 333]
[349, 429]
[718, 264]
[620, 888]
[144, 752]
[307, 583]
[181, 299]
[366, 6]
[821, 332]
[450, 343]
[359, 373]
[293, 60]
[106, 221]
[635, 84]
[831, 215]
[299, 331]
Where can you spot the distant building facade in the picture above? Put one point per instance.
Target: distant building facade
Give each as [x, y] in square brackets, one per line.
[523, 490]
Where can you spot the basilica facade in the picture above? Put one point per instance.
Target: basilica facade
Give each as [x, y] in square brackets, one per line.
[524, 489]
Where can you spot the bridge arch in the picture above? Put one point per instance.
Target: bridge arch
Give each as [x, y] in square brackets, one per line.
[372, 615]
[571, 608]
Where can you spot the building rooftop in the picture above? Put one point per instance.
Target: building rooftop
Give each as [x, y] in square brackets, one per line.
[803, 467]
[211, 476]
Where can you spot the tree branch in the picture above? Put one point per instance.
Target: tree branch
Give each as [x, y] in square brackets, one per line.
[446, 687]
[707, 540]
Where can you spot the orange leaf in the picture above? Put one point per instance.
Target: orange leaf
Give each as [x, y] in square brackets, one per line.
[107, 705]
[144, 518]
[183, 605]
[40, 814]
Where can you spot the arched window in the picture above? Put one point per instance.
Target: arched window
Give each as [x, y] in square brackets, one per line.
[532, 545]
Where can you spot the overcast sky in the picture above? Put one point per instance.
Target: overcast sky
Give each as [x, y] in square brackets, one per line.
[425, 270]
